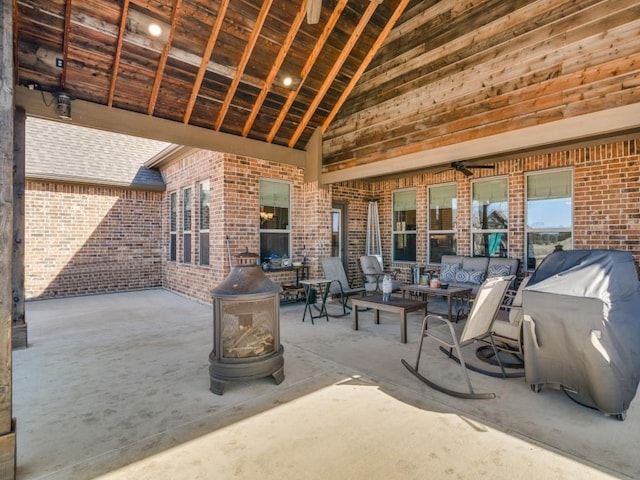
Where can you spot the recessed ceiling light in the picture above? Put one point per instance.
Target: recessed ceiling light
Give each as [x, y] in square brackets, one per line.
[155, 29]
[287, 81]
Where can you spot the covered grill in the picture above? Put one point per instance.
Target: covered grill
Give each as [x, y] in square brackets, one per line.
[246, 326]
[582, 327]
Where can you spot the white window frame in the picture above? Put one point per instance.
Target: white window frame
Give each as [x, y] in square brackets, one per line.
[204, 259]
[474, 230]
[286, 230]
[186, 230]
[527, 229]
[173, 226]
[398, 230]
[430, 231]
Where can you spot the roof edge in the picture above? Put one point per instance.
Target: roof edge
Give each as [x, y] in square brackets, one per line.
[170, 154]
[99, 183]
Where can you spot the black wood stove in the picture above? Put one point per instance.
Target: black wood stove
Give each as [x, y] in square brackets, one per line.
[246, 326]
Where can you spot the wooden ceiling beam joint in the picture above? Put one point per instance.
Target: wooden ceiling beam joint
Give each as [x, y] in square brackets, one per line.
[277, 64]
[333, 73]
[208, 51]
[116, 60]
[253, 38]
[311, 60]
[65, 43]
[163, 58]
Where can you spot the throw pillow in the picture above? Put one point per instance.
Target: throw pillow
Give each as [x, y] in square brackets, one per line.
[448, 272]
[470, 276]
[498, 271]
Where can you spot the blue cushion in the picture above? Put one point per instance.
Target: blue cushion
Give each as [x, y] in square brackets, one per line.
[470, 276]
[498, 271]
[448, 272]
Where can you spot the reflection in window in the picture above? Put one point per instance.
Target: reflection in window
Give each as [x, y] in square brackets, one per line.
[549, 214]
[173, 224]
[404, 226]
[490, 218]
[186, 225]
[443, 218]
[275, 208]
[203, 241]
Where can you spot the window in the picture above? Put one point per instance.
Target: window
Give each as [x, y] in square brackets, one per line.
[549, 214]
[404, 226]
[443, 218]
[489, 218]
[203, 239]
[173, 223]
[275, 208]
[186, 225]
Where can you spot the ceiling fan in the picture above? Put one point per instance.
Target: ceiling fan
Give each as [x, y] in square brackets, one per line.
[466, 169]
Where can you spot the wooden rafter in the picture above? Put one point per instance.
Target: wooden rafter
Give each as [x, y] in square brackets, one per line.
[282, 54]
[116, 60]
[208, 51]
[65, 43]
[344, 54]
[163, 58]
[307, 67]
[253, 38]
[365, 63]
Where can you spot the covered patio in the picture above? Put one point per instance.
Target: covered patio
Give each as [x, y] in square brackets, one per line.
[116, 386]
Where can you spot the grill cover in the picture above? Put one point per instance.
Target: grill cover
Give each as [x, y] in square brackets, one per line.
[582, 326]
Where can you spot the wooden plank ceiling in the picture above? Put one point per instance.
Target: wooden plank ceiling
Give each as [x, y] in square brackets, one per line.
[216, 64]
[383, 81]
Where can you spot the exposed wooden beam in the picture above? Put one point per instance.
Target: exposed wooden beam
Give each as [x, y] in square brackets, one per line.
[365, 63]
[253, 38]
[7, 431]
[625, 118]
[116, 59]
[331, 23]
[14, 22]
[163, 58]
[275, 68]
[101, 117]
[208, 51]
[333, 73]
[65, 43]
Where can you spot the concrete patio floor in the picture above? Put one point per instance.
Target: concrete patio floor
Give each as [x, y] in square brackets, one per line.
[117, 387]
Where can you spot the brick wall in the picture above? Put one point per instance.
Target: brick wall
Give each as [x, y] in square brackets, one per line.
[606, 201]
[234, 207]
[88, 239]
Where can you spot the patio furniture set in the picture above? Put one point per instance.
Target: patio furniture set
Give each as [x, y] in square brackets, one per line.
[572, 323]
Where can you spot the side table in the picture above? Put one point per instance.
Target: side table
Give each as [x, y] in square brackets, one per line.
[322, 285]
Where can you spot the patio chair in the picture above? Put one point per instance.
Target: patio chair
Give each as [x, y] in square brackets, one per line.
[339, 286]
[373, 273]
[507, 333]
[478, 327]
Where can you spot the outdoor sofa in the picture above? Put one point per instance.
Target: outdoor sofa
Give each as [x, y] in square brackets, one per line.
[461, 271]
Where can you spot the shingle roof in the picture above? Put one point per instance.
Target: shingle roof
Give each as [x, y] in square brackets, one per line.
[61, 151]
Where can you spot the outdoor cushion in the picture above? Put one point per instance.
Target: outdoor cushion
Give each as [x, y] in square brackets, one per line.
[512, 263]
[448, 272]
[475, 263]
[498, 270]
[470, 276]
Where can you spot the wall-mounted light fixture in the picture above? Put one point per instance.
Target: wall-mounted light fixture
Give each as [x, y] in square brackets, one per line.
[63, 105]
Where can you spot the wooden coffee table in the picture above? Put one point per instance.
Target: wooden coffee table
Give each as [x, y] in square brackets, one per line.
[395, 305]
[449, 293]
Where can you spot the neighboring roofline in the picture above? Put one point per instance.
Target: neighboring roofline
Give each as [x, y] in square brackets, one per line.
[170, 154]
[48, 177]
